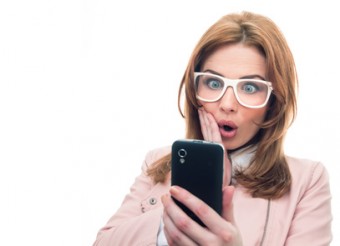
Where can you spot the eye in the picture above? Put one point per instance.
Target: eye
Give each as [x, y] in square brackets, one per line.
[250, 87]
[214, 83]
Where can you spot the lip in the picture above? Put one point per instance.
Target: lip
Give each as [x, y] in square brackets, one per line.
[227, 134]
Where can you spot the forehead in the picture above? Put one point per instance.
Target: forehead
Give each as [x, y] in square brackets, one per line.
[236, 60]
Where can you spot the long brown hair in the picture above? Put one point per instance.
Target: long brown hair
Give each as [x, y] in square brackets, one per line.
[268, 175]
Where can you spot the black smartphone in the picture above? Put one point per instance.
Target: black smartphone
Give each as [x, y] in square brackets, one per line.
[197, 166]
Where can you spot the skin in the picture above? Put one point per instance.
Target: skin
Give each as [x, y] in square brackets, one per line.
[231, 61]
[235, 62]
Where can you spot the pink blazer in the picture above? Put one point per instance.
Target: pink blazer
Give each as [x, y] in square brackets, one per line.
[301, 217]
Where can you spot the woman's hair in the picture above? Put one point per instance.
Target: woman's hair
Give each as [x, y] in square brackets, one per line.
[268, 175]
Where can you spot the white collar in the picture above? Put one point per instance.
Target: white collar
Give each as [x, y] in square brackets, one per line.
[242, 157]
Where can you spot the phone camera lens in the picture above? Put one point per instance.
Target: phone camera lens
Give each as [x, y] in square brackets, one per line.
[182, 153]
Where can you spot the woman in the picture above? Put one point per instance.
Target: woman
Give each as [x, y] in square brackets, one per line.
[240, 90]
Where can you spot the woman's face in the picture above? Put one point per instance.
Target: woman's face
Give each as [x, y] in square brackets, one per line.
[237, 124]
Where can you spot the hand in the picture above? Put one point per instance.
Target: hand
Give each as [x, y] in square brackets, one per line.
[209, 127]
[211, 132]
[180, 229]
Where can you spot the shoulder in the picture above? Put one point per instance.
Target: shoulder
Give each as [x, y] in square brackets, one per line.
[155, 154]
[306, 173]
[304, 167]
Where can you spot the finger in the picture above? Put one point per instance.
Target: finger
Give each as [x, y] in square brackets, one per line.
[173, 235]
[208, 215]
[209, 127]
[227, 204]
[202, 123]
[227, 174]
[175, 220]
[204, 127]
[196, 232]
[213, 127]
[218, 229]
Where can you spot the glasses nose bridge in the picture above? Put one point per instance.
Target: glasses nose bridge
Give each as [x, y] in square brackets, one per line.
[230, 83]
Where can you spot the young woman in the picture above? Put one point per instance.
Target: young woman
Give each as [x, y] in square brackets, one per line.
[240, 91]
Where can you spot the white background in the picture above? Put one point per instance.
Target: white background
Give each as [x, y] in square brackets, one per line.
[88, 87]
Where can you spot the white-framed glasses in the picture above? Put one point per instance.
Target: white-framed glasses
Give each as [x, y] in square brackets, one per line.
[251, 93]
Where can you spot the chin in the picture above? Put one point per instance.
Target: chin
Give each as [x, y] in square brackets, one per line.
[233, 146]
[230, 146]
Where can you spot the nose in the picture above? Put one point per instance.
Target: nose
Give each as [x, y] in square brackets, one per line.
[228, 102]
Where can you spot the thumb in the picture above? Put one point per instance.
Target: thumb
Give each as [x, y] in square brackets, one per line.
[227, 203]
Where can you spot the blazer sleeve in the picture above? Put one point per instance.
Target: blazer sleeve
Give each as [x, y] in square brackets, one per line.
[137, 221]
[311, 224]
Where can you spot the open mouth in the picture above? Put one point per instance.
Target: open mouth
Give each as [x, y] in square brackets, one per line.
[228, 128]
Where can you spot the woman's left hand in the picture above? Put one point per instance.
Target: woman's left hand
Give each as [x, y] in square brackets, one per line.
[180, 229]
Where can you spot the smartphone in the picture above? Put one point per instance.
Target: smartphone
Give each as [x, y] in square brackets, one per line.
[197, 166]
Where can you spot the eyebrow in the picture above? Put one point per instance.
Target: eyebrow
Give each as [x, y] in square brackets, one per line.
[251, 76]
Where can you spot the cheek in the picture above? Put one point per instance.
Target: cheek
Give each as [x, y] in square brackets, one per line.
[262, 114]
[209, 107]
[256, 117]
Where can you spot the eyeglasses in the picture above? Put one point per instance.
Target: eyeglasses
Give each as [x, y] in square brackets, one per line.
[251, 93]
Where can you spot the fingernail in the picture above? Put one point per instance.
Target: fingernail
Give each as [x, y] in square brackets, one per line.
[174, 190]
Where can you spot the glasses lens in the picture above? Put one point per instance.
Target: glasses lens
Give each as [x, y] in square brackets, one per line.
[209, 87]
[252, 92]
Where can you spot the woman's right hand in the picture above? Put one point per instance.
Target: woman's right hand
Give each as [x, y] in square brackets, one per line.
[180, 229]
